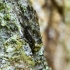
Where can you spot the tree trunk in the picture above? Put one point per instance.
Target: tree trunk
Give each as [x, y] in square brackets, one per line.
[54, 25]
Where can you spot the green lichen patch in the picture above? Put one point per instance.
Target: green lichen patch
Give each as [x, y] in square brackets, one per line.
[2, 6]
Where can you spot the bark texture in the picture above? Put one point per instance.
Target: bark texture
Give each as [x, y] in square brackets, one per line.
[53, 16]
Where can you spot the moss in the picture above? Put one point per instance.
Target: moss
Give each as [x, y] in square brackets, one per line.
[3, 23]
[2, 6]
[37, 47]
[18, 53]
[7, 17]
[22, 9]
[27, 59]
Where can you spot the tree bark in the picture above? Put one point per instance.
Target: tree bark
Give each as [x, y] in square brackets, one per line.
[54, 26]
